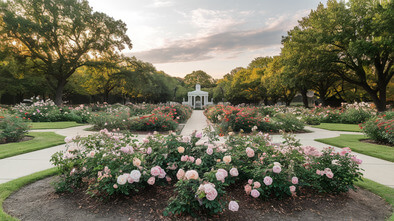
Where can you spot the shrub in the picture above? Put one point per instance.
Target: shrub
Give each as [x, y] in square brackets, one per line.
[247, 119]
[380, 128]
[13, 129]
[109, 164]
[153, 122]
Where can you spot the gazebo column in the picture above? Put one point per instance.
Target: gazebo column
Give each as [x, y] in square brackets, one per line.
[194, 101]
[206, 100]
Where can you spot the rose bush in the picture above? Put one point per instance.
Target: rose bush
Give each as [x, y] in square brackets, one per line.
[108, 164]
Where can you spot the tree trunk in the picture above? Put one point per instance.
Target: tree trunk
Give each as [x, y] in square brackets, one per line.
[59, 92]
[304, 98]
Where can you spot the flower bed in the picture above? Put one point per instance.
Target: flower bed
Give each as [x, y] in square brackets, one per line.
[247, 119]
[108, 164]
[162, 118]
[380, 128]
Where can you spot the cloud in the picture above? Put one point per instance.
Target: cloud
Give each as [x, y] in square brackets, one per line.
[161, 3]
[230, 42]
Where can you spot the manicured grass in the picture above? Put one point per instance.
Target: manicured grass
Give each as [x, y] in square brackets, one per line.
[7, 188]
[53, 125]
[383, 191]
[353, 141]
[40, 141]
[339, 127]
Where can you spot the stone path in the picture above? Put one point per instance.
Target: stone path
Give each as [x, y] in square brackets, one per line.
[14, 167]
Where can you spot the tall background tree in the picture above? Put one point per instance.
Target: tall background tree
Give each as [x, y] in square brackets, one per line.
[59, 36]
[357, 39]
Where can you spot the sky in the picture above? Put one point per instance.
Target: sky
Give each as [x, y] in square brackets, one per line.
[216, 36]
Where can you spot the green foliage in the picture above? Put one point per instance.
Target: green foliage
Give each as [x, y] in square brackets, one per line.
[12, 129]
[109, 164]
[247, 119]
[380, 129]
[37, 30]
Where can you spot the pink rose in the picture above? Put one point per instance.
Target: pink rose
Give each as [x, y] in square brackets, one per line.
[255, 193]
[168, 179]
[318, 172]
[256, 185]
[149, 150]
[267, 180]
[294, 180]
[162, 173]
[210, 192]
[191, 159]
[249, 152]
[184, 158]
[151, 180]
[115, 186]
[220, 176]
[248, 188]
[356, 160]
[292, 189]
[234, 172]
[145, 140]
[276, 169]
[198, 162]
[209, 151]
[191, 175]
[330, 175]
[155, 171]
[233, 206]
[250, 181]
[180, 174]
[199, 135]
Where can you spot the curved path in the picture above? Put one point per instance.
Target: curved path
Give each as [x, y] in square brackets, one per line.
[378, 170]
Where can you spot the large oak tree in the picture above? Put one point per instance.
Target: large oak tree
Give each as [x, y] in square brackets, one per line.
[60, 36]
[357, 38]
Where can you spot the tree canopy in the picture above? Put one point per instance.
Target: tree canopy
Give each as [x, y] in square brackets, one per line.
[59, 36]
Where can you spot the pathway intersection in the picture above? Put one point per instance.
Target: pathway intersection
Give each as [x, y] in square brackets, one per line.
[14, 167]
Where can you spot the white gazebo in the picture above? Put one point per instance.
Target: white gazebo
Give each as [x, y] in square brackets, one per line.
[197, 98]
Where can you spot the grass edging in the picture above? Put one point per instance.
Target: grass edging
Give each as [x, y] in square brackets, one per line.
[6, 189]
[338, 127]
[353, 142]
[387, 193]
[53, 125]
[40, 141]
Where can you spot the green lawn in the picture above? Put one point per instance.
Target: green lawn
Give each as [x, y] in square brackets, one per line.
[40, 141]
[7, 188]
[353, 141]
[339, 127]
[53, 125]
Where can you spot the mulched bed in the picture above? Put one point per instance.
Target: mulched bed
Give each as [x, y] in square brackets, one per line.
[38, 201]
[376, 142]
[25, 138]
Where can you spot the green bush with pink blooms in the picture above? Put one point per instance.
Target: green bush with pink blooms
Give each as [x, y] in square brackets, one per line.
[109, 164]
[247, 119]
[161, 118]
[380, 128]
[12, 128]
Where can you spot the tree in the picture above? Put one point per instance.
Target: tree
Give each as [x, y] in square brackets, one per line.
[357, 36]
[199, 77]
[60, 36]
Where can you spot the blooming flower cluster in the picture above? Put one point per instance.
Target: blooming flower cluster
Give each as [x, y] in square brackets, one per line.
[111, 163]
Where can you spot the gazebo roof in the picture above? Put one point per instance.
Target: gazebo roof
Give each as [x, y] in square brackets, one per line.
[198, 91]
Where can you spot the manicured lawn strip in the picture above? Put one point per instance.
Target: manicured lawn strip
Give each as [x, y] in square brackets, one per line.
[40, 141]
[383, 191]
[53, 125]
[339, 127]
[7, 188]
[353, 141]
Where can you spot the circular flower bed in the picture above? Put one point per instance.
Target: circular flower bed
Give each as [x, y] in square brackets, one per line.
[109, 164]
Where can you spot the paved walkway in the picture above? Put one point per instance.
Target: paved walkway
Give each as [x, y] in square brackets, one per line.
[25, 164]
